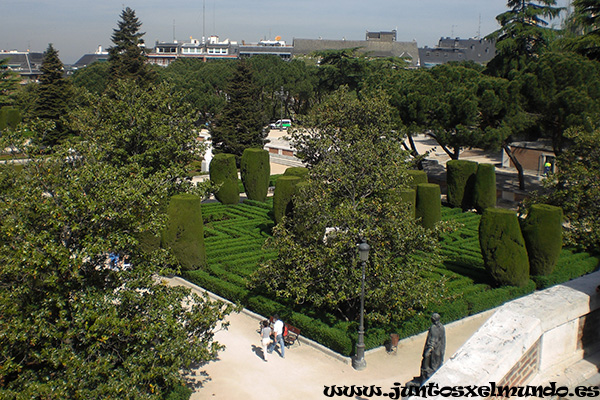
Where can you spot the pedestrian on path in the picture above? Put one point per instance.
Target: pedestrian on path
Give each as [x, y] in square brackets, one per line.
[278, 339]
[265, 335]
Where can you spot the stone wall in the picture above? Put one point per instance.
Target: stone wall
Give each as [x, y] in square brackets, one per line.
[530, 337]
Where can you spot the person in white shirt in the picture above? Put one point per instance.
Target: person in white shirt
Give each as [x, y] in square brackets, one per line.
[278, 330]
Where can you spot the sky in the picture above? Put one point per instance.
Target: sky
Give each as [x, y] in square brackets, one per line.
[78, 27]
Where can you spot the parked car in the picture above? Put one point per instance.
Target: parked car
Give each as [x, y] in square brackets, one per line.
[281, 124]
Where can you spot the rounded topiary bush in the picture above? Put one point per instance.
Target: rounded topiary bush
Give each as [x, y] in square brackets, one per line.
[184, 233]
[484, 194]
[302, 172]
[255, 170]
[542, 231]
[428, 204]
[460, 179]
[418, 176]
[503, 247]
[223, 172]
[282, 197]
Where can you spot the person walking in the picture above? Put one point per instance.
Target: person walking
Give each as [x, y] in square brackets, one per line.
[278, 339]
[265, 334]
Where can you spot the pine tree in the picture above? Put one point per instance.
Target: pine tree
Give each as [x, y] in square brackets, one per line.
[9, 81]
[53, 96]
[127, 58]
[241, 123]
[523, 34]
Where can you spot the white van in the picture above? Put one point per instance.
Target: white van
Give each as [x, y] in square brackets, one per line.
[281, 124]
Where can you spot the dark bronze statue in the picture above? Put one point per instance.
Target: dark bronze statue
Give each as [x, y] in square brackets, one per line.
[433, 353]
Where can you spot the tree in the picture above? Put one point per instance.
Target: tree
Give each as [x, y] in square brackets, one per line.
[561, 90]
[523, 34]
[355, 158]
[53, 97]
[94, 77]
[584, 23]
[151, 126]
[241, 123]
[9, 81]
[127, 58]
[75, 323]
[575, 188]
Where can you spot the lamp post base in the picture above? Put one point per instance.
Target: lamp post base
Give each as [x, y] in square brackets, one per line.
[359, 363]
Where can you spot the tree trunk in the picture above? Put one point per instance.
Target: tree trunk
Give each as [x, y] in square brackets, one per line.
[517, 165]
[413, 149]
[453, 155]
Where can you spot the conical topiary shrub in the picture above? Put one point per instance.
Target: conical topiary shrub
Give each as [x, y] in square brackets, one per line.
[428, 204]
[223, 172]
[484, 195]
[255, 170]
[184, 233]
[460, 179]
[503, 247]
[302, 172]
[542, 231]
[418, 176]
[282, 197]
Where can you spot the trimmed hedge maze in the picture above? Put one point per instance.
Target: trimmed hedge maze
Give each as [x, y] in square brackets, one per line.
[235, 234]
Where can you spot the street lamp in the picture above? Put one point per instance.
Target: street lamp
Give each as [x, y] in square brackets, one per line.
[359, 362]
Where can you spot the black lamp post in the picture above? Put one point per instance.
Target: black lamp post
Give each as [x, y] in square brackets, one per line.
[359, 362]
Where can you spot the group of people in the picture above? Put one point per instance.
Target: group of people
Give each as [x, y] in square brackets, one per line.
[272, 336]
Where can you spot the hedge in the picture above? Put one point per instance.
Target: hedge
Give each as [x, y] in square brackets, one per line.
[301, 172]
[503, 247]
[9, 117]
[184, 233]
[223, 172]
[484, 194]
[542, 231]
[255, 171]
[417, 176]
[460, 178]
[428, 205]
[282, 197]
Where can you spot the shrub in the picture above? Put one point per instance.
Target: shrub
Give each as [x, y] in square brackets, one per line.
[418, 176]
[409, 196]
[503, 247]
[460, 178]
[302, 172]
[484, 194]
[542, 231]
[223, 172]
[179, 392]
[255, 170]
[184, 233]
[9, 117]
[282, 197]
[428, 204]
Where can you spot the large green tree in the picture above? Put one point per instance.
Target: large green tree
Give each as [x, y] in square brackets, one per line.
[127, 57]
[584, 24]
[151, 126]
[53, 95]
[355, 164]
[241, 123]
[76, 325]
[523, 34]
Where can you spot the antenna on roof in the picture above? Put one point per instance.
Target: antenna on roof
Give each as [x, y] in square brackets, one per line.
[479, 28]
[173, 31]
[203, 20]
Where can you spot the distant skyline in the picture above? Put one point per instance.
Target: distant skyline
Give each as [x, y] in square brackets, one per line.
[78, 27]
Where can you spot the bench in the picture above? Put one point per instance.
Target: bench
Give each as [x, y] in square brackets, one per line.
[292, 336]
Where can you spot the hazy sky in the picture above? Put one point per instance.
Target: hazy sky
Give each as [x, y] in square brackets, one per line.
[76, 27]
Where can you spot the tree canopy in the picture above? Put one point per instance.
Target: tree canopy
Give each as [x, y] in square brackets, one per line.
[241, 123]
[84, 315]
[355, 162]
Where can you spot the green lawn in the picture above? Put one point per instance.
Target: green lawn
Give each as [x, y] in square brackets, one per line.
[234, 236]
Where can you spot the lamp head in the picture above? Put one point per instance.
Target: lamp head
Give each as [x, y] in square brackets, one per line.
[363, 251]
